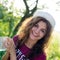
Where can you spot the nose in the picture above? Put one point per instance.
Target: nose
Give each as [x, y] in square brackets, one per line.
[37, 31]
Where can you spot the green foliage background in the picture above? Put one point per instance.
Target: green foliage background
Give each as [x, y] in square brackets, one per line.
[8, 23]
[54, 47]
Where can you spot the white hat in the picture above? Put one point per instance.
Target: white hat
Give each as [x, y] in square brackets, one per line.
[45, 15]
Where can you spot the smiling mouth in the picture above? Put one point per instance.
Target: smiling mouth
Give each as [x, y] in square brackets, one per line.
[34, 34]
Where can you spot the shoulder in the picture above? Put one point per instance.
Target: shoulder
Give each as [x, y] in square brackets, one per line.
[15, 39]
[41, 56]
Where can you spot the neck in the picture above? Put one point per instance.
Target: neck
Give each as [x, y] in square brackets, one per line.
[30, 43]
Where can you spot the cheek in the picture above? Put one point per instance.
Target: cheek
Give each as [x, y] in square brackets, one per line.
[33, 29]
[42, 35]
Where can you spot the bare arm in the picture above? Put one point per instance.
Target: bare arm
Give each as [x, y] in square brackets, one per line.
[5, 56]
[12, 56]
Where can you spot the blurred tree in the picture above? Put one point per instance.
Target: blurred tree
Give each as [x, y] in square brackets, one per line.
[27, 14]
[7, 21]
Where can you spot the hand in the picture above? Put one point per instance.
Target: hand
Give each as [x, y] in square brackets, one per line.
[9, 44]
[10, 48]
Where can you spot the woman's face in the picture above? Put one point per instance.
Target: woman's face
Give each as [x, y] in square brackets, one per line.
[38, 31]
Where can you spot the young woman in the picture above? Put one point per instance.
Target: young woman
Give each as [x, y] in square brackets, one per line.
[31, 39]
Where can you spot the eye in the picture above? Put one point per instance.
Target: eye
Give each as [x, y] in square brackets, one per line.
[36, 25]
[44, 31]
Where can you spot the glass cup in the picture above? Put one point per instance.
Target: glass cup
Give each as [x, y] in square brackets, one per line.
[2, 47]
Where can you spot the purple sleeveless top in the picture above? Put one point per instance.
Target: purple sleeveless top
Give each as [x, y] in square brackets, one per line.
[23, 51]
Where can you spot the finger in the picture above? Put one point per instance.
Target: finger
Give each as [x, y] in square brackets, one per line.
[11, 41]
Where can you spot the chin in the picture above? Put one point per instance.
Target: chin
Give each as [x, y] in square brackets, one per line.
[33, 38]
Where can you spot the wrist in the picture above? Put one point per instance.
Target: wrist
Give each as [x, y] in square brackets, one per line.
[12, 52]
[13, 56]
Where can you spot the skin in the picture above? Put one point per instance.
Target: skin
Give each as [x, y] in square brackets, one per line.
[37, 32]
[10, 49]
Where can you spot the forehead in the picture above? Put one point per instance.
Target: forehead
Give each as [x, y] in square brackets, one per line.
[42, 24]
